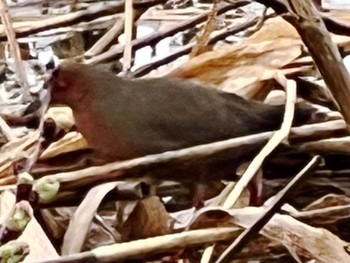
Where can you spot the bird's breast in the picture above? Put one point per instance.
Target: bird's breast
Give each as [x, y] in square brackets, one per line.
[103, 138]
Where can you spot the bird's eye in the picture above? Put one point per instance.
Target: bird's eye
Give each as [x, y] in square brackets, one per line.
[56, 73]
[51, 65]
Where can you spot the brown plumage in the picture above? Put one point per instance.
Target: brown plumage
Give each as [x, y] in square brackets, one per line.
[123, 119]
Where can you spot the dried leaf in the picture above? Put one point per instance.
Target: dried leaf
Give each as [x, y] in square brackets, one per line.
[148, 219]
[305, 240]
[79, 224]
[72, 141]
[239, 68]
[40, 246]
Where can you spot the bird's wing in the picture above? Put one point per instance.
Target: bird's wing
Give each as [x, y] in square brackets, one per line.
[163, 114]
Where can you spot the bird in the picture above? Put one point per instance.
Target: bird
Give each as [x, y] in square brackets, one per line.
[128, 118]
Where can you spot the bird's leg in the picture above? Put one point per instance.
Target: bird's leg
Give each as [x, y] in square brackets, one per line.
[255, 191]
[198, 196]
[254, 187]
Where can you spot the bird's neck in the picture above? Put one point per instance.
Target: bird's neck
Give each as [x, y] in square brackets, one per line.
[80, 98]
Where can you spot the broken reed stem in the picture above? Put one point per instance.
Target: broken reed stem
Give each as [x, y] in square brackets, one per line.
[6, 130]
[278, 137]
[203, 39]
[116, 51]
[229, 254]
[106, 39]
[306, 19]
[89, 175]
[129, 30]
[232, 191]
[151, 246]
[15, 50]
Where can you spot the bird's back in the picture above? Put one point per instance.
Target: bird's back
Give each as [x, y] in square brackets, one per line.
[157, 115]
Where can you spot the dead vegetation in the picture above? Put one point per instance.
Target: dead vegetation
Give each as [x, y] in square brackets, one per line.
[59, 205]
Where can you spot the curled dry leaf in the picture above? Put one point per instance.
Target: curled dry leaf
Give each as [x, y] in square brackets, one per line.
[72, 141]
[149, 218]
[241, 67]
[328, 201]
[57, 220]
[19, 148]
[63, 117]
[40, 246]
[329, 211]
[16, 150]
[305, 240]
[80, 222]
[101, 233]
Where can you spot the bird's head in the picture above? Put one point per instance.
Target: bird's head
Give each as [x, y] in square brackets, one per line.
[69, 84]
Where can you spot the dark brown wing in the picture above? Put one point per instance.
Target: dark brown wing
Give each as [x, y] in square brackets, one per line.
[158, 115]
